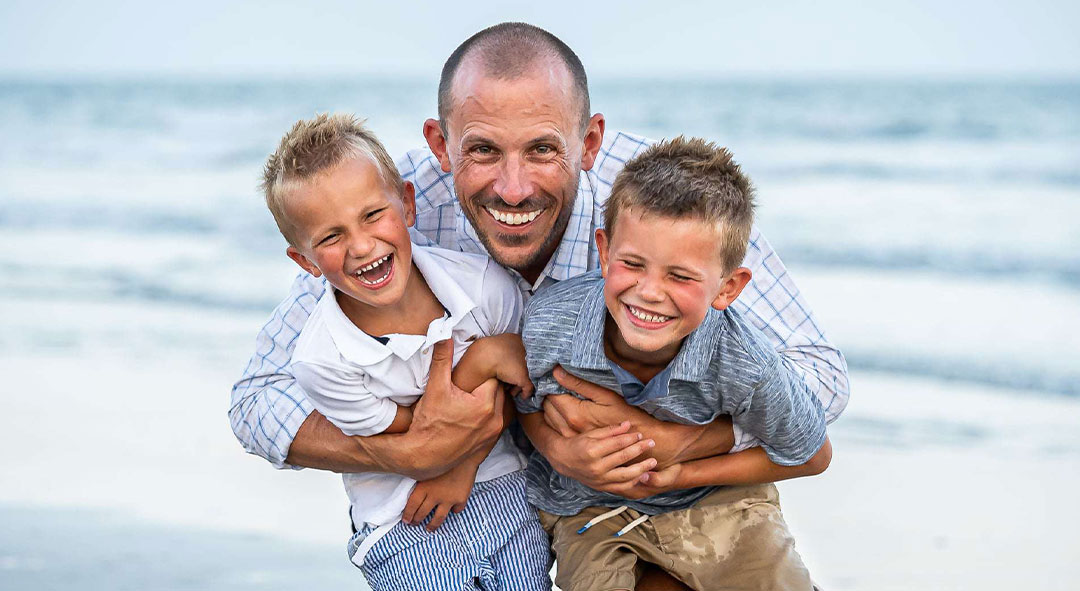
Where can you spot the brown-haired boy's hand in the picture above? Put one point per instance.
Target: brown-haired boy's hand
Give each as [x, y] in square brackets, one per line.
[442, 494]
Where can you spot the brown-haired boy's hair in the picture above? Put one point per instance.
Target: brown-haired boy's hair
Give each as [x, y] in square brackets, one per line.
[688, 178]
[314, 146]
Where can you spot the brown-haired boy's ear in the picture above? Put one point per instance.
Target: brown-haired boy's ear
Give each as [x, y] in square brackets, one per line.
[602, 249]
[303, 261]
[732, 287]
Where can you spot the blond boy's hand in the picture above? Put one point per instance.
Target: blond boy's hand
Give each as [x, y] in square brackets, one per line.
[443, 494]
[501, 357]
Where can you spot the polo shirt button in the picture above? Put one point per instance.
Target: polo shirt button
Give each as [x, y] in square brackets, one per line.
[427, 350]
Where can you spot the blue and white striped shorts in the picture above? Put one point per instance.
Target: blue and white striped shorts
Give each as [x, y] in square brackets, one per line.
[495, 544]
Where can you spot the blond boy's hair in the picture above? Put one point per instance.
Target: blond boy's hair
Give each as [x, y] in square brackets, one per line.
[314, 146]
[688, 178]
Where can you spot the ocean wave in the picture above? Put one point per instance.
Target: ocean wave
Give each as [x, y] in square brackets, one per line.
[957, 263]
[1013, 377]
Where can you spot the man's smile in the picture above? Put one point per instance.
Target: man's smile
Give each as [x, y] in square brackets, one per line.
[514, 218]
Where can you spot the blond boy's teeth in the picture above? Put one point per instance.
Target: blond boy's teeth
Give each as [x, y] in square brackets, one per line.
[372, 267]
[647, 317]
[514, 219]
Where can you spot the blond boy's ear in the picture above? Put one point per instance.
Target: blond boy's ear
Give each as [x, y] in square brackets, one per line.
[602, 249]
[303, 261]
[732, 287]
[408, 202]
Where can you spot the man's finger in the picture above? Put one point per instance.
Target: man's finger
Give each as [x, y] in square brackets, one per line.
[458, 508]
[442, 363]
[602, 448]
[609, 431]
[440, 516]
[628, 474]
[624, 455]
[587, 390]
[555, 418]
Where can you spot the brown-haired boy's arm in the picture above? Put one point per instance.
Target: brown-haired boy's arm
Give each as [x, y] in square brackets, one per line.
[751, 466]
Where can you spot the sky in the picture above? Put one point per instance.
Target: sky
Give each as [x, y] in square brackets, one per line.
[631, 38]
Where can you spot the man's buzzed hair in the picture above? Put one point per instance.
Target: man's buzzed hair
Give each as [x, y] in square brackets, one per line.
[507, 51]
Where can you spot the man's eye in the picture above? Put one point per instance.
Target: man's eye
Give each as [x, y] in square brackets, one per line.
[544, 150]
[483, 150]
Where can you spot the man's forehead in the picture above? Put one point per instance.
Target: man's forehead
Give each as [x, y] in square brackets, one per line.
[545, 89]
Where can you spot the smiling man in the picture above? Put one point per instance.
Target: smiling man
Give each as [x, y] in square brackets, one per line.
[518, 168]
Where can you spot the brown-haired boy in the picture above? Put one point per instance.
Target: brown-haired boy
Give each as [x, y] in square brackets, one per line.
[655, 324]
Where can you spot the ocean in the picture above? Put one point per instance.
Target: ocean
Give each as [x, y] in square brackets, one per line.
[934, 227]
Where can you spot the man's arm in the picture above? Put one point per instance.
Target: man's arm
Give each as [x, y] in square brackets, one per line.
[738, 469]
[773, 304]
[273, 418]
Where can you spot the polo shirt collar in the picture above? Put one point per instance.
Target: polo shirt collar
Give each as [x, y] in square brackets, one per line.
[361, 348]
[690, 364]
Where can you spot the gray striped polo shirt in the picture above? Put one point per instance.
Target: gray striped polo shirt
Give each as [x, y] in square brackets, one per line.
[726, 366]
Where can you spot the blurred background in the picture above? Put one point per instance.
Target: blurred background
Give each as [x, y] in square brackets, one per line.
[918, 169]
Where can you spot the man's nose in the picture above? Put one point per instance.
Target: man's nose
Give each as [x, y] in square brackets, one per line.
[512, 184]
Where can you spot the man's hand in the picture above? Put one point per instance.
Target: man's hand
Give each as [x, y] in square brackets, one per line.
[451, 422]
[608, 459]
[442, 494]
[674, 442]
[654, 483]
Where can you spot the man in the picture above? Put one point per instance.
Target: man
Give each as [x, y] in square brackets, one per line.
[531, 169]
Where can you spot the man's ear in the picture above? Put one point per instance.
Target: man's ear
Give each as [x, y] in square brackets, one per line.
[602, 249]
[303, 261]
[594, 138]
[408, 202]
[436, 140]
[732, 287]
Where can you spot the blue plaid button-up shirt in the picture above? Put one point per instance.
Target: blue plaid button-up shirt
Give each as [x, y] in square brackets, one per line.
[268, 406]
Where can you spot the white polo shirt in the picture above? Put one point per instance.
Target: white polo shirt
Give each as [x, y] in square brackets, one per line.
[357, 380]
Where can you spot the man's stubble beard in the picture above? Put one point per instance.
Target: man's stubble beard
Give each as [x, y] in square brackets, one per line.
[550, 241]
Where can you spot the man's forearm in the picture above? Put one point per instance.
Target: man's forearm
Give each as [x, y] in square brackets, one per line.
[751, 466]
[416, 454]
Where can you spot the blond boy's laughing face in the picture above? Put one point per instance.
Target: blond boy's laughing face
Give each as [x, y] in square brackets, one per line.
[352, 228]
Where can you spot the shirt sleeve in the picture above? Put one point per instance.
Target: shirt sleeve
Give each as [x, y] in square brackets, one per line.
[772, 303]
[783, 414]
[342, 396]
[267, 406]
[501, 300]
[541, 355]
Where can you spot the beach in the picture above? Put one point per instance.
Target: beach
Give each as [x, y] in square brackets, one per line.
[932, 228]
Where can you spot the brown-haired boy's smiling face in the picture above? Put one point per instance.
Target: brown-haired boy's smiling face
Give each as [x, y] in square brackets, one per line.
[662, 275]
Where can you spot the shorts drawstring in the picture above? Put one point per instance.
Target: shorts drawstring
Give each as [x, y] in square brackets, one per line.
[611, 514]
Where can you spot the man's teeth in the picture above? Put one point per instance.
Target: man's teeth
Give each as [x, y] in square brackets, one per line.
[514, 219]
[648, 317]
[370, 267]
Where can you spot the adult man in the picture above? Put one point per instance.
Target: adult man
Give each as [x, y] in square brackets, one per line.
[531, 170]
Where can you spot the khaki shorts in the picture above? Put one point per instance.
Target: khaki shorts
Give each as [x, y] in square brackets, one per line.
[735, 538]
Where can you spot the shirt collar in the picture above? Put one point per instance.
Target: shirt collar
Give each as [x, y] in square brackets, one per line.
[691, 363]
[361, 348]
